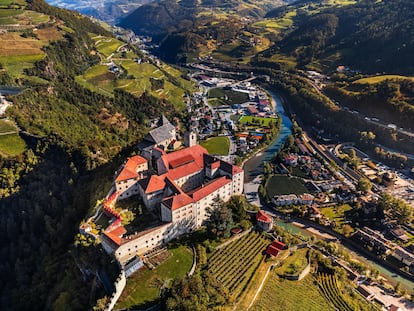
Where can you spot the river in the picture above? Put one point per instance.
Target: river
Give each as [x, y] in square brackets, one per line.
[254, 166]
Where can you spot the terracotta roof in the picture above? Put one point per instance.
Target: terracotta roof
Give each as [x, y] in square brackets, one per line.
[271, 250]
[114, 238]
[196, 152]
[155, 183]
[209, 188]
[177, 201]
[119, 231]
[262, 216]
[129, 170]
[278, 245]
[188, 158]
[184, 170]
[236, 170]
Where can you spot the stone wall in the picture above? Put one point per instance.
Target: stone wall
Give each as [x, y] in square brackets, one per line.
[119, 287]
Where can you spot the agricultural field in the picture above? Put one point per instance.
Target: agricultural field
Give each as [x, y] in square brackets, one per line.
[378, 79]
[249, 120]
[234, 264]
[282, 294]
[281, 184]
[138, 295]
[331, 288]
[218, 145]
[227, 97]
[107, 45]
[11, 144]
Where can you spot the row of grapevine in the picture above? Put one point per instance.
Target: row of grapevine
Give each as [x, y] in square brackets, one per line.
[329, 286]
[218, 255]
[233, 264]
[235, 254]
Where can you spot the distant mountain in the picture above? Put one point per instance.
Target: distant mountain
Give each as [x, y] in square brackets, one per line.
[110, 11]
[372, 36]
[191, 26]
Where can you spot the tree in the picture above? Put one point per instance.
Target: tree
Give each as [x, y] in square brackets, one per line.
[364, 185]
[220, 220]
[347, 230]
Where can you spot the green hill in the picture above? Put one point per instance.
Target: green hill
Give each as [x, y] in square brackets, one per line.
[85, 97]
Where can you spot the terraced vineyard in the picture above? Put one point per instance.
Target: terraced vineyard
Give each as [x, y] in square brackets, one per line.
[234, 264]
[329, 286]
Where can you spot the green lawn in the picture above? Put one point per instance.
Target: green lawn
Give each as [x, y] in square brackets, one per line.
[281, 184]
[282, 294]
[294, 264]
[337, 214]
[143, 287]
[11, 145]
[218, 145]
[256, 121]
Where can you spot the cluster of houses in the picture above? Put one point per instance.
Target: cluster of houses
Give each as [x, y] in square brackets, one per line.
[382, 245]
[179, 186]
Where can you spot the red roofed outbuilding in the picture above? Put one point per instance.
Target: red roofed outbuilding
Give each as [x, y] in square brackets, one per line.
[264, 221]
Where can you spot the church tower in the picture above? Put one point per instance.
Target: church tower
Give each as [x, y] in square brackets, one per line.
[190, 139]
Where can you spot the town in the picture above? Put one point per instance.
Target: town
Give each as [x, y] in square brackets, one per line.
[179, 177]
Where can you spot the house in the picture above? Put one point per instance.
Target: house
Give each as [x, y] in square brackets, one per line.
[186, 184]
[314, 212]
[399, 233]
[252, 111]
[161, 136]
[285, 199]
[404, 256]
[291, 159]
[306, 198]
[264, 221]
[274, 248]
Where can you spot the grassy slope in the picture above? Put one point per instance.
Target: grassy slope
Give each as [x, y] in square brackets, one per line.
[144, 286]
[281, 294]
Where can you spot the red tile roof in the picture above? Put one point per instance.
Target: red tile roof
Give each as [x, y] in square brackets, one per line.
[177, 201]
[129, 170]
[155, 183]
[184, 170]
[262, 216]
[196, 152]
[114, 238]
[181, 161]
[236, 170]
[278, 245]
[209, 188]
[272, 251]
[120, 231]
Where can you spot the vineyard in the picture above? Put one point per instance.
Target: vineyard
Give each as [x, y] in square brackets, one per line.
[329, 285]
[234, 264]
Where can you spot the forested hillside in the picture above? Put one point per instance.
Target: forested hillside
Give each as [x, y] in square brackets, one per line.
[372, 36]
[189, 28]
[73, 133]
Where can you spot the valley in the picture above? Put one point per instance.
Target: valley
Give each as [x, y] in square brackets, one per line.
[207, 155]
